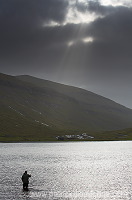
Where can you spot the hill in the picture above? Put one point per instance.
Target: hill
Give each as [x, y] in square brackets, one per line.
[33, 109]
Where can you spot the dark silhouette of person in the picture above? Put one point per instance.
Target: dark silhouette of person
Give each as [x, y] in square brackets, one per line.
[25, 180]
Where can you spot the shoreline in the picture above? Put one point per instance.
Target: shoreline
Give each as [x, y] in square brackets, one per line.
[64, 141]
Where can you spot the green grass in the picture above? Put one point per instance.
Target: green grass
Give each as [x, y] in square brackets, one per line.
[27, 103]
[35, 136]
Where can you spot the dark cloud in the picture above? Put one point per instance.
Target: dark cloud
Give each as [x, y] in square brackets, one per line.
[59, 53]
[113, 40]
[22, 36]
[26, 14]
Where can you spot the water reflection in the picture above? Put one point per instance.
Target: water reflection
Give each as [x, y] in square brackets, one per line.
[25, 194]
[82, 170]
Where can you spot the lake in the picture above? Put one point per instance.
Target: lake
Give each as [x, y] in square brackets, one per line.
[67, 170]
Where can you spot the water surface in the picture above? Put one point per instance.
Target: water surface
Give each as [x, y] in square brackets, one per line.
[72, 170]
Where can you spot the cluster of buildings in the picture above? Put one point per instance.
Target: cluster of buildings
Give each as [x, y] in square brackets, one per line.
[83, 136]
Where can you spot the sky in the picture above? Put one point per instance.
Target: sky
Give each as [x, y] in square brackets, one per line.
[84, 43]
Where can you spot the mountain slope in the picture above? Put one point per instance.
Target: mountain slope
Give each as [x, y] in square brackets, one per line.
[94, 108]
[35, 109]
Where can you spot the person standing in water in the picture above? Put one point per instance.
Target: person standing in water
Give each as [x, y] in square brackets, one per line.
[25, 180]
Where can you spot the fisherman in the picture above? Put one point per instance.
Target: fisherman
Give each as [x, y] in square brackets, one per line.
[25, 180]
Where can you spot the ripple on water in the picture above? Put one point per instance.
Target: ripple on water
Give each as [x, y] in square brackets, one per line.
[81, 170]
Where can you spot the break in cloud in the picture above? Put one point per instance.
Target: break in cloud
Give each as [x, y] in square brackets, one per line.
[80, 42]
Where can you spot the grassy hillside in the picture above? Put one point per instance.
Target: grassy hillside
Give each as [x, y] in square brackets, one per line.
[32, 109]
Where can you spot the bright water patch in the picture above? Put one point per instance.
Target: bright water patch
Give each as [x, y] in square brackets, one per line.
[72, 170]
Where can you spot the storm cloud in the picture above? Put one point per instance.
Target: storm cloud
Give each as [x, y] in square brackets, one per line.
[82, 43]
